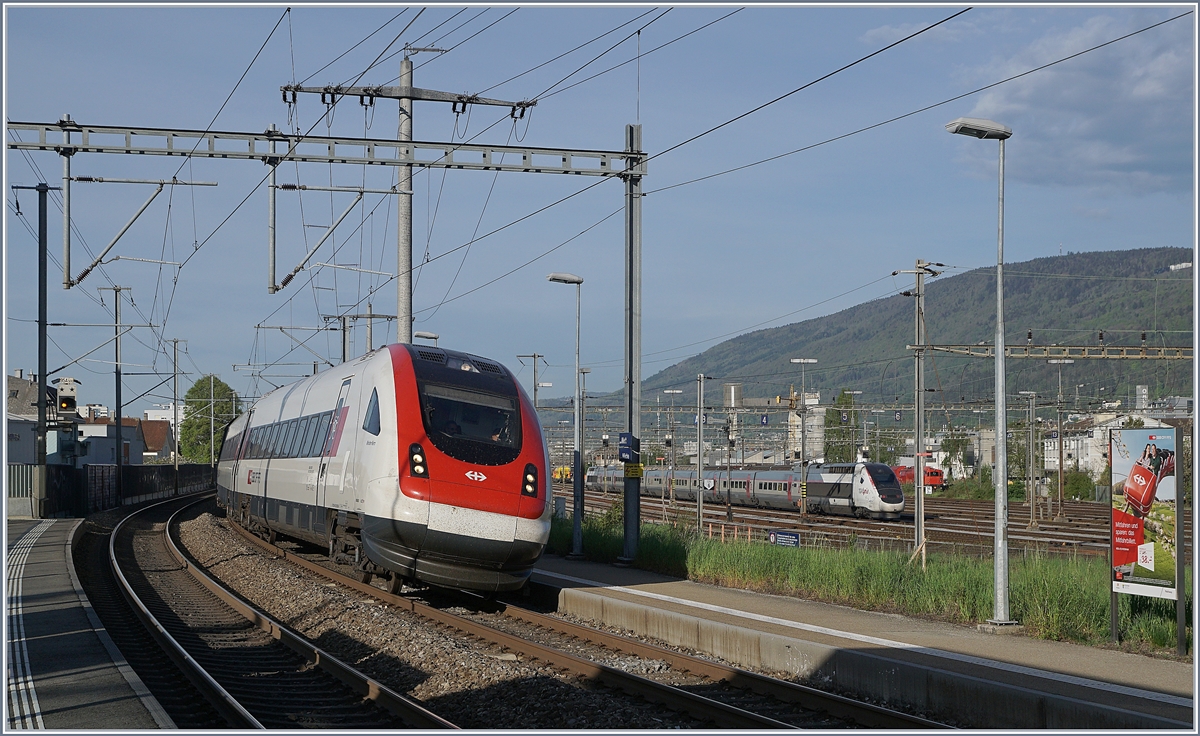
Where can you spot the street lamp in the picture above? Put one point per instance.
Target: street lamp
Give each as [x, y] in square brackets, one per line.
[803, 434]
[988, 130]
[428, 336]
[576, 478]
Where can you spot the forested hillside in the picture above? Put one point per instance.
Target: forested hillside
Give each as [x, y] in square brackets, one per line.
[1064, 299]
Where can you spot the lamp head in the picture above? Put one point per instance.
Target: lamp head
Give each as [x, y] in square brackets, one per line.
[564, 278]
[979, 128]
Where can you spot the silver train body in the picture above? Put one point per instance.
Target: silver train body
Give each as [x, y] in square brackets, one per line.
[853, 489]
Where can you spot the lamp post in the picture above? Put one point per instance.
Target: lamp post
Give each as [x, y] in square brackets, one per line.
[989, 130]
[803, 434]
[1031, 492]
[425, 336]
[853, 421]
[670, 439]
[1062, 436]
[576, 478]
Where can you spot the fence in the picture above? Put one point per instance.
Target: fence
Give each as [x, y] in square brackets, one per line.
[81, 491]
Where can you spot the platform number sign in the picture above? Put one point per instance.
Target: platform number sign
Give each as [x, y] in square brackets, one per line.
[763, 420]
[845, 417]
[898, 415]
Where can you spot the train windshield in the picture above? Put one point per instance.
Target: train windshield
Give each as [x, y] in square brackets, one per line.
[885, 479]
[472, 426]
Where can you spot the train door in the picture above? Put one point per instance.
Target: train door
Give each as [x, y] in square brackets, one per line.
[330, 476]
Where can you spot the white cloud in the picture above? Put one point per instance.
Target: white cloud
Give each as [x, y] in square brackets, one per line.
[1118, 118]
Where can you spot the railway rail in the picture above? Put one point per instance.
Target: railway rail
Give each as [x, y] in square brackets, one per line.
[715, 694]
[966, 525]
[255, 672]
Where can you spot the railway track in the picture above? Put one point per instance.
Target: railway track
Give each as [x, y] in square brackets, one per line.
[712, 693]
[255, 672]
[964, 524]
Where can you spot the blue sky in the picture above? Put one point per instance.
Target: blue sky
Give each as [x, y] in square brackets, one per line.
[1102, 158]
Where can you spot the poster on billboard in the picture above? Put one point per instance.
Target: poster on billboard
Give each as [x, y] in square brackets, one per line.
[1144, 512]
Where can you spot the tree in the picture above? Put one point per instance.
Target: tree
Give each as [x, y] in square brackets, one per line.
[209, 406]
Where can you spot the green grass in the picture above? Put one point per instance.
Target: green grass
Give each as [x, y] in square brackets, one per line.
[1058, 598]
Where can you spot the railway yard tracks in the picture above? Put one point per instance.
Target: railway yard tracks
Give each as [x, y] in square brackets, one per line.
[964, 525]
[248, 670]
[484, 664]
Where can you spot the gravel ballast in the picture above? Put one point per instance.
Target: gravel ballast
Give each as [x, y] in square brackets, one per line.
[464, 680]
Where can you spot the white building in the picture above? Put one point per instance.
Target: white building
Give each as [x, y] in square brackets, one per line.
[172, 413]
[1085, 443]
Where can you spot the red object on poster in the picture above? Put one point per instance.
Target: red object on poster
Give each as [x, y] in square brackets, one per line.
[1127, 533]
[1139, 489]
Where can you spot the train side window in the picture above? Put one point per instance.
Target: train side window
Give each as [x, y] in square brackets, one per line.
[304, 435]
[277, 439]
[269, 441]
[260, 445]
[285, 438]
[255, 442]
[318, 445]
[371, 422]
[292, 449]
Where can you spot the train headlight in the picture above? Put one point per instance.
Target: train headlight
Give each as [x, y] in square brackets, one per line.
[529, 483]
[416, 461]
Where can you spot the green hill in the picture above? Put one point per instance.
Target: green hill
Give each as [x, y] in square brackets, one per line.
[1065, 300]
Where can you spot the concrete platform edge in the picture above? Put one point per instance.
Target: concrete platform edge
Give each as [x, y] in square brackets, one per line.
[151, 704]
[939, 693]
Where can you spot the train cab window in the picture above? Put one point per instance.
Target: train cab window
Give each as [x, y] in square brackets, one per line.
[470, 425]
[371, 422]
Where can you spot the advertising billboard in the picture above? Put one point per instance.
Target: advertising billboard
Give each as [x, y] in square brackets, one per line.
[1144, 511]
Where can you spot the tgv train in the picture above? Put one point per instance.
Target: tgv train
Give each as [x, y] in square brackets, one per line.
[413, 463]
[853, 489]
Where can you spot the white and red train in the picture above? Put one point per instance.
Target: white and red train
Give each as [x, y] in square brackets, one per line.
[414, 463]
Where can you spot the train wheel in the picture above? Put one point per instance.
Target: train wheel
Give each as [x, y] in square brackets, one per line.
[395, 584]
[365, 577]
[271, 536]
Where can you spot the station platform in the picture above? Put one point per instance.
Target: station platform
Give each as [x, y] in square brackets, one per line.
[952, 673]
[64, 672]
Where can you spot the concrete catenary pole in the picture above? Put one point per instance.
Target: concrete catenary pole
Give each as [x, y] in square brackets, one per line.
[404, 318]
[175, 410]
[700, 451]
[919, 421]
[42, 384]
[633, 330]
